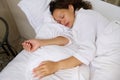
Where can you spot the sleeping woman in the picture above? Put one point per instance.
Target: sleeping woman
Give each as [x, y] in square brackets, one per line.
[49, 59]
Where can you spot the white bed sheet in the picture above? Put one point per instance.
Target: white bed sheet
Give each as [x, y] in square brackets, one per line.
[21, 67]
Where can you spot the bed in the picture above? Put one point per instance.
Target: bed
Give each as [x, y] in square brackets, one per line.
[112, 56]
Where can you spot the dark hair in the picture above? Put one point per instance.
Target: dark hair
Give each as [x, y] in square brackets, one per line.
[63, 4]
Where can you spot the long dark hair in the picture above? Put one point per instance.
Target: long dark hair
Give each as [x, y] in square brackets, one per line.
[63, 4]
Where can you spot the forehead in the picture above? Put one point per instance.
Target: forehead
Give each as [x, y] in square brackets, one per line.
[58, 12]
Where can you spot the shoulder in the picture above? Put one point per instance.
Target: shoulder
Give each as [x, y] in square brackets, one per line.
[90, 15]
[87, 13]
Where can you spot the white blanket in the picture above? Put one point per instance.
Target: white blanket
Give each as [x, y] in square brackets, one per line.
[21, 67]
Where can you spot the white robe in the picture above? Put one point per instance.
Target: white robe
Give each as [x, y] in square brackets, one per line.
[106, 65]
[87, 27]
[99, 44]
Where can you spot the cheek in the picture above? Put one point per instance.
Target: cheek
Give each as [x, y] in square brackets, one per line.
[71, 22]
[68, 18]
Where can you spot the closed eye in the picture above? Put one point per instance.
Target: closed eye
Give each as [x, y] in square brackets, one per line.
[62, 17]
[58, 21]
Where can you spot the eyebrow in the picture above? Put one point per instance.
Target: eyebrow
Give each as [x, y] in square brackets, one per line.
[59, 17]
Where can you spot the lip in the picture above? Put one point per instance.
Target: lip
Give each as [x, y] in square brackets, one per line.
[67, 24]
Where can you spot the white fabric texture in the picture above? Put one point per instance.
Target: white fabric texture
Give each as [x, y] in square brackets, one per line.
[37, 12]
[107, 63]
[52, 29]
[88, 25]
[21, 67]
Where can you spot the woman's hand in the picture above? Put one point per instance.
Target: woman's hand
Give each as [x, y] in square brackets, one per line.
[45, 68]
[31, 45]
[50, 67]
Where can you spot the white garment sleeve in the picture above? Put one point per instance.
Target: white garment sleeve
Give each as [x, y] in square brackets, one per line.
[84, 32]
[51, 30]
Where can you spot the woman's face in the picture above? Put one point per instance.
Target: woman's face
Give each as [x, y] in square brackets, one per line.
[65, 16]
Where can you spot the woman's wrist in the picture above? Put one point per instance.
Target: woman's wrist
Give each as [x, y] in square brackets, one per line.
[59, 65]
[68, 63]
[42, 43]
[63, 64]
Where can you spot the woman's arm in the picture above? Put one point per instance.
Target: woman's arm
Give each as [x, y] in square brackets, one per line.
[60, 40]
[47, 68]
[68, 63]
[33, 44]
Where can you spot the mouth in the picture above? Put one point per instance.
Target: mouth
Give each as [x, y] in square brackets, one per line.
[67, 24]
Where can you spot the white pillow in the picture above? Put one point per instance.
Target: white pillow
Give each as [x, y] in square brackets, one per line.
[37, 12]
[109, 40]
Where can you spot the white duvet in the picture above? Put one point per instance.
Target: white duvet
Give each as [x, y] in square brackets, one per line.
[21, 67]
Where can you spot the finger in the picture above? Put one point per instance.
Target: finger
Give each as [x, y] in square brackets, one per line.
[38, 72]
[43, 63]
[38, 68]
[28, 46]
[41, 71]
[42, 74]
[40, 65]
[23, 44]
[25, 47]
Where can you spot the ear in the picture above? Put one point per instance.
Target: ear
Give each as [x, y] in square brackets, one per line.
[71, 8]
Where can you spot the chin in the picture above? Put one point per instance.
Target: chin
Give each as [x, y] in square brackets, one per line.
[69, 26]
